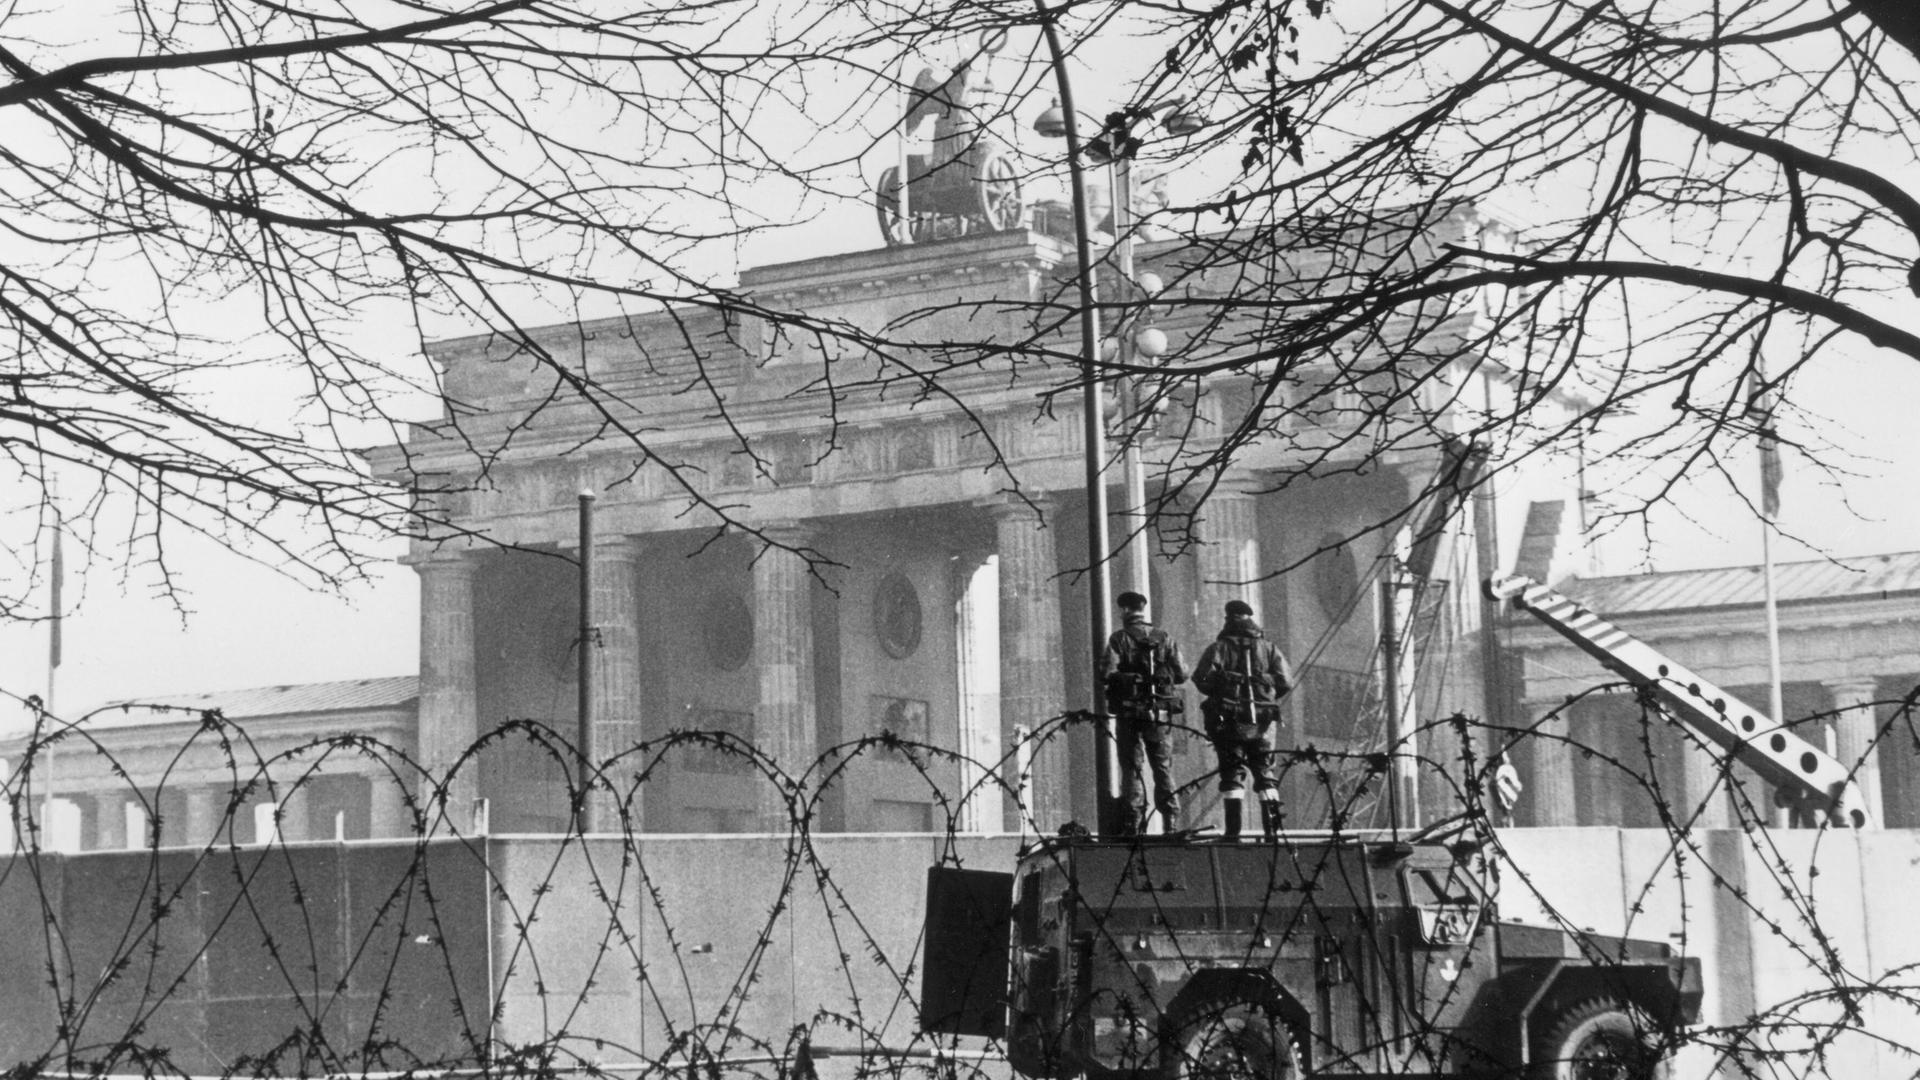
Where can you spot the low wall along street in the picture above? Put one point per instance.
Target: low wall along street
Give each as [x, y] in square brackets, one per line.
[650, 953]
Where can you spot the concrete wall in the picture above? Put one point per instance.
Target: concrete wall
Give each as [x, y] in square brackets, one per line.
[1792, 928]
[1783, 924]
[722, 947]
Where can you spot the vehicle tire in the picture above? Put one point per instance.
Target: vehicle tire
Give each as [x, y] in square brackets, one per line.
[1233, 1040]
[1601, 1039]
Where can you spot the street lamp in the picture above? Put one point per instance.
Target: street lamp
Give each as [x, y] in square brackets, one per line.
[1114, 148]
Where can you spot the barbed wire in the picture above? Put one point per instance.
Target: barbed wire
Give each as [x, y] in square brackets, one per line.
[797, 952]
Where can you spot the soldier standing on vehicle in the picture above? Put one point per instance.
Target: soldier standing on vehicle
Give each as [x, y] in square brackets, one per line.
[1142, 666]
[1243, 676]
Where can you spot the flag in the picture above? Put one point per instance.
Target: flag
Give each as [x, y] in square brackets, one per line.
[1763, 403]
[59, 573]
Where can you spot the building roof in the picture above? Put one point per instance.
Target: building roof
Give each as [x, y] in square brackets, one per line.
[1864, 577]
[267, 701]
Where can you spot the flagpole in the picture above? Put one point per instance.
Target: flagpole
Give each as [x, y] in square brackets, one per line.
[55, 604]
[1775, 704]
[1774, 701]
[1767, 401]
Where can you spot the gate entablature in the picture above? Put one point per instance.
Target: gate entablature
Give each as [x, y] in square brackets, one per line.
[987, 314]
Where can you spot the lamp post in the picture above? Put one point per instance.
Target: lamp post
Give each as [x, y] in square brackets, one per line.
[1131, 341]
[1060, 122]
[1093, 405]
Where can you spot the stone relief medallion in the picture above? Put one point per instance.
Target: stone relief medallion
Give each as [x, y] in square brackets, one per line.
[896, 616]
[726, 630]
[1335, 578]
[904, 718]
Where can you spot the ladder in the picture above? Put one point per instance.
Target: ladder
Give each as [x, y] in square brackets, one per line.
[1806, 777]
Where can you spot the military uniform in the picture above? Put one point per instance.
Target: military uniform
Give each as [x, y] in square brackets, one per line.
[1142, 666]
[1243, 676]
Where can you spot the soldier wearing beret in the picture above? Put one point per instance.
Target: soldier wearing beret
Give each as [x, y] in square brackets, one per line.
[1243, 676]
[1141, 666]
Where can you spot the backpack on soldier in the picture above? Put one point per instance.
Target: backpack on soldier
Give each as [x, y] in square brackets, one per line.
[1246, 700]
[1139, 677]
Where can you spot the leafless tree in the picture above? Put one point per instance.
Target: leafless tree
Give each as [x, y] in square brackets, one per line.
[1708, 202]
[215, 194]
[212, 196]
[231, 224]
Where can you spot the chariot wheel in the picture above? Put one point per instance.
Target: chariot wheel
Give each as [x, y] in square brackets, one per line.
[886, 204]
[1601, 1039]
[1234, 1040]
[998, 189]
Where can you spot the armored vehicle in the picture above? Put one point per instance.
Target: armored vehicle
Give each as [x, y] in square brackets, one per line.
[1318, 954]
[1356, 955]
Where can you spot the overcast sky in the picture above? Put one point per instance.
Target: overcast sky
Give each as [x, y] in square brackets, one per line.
[246, 626]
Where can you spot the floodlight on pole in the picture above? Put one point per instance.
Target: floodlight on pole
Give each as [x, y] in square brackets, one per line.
[1112, 149]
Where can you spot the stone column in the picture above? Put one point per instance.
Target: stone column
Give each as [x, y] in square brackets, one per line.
[292, 814]
[449, 705]
[616, 681]
[1547, 769]
[1699, 773]
[979, 728]
[1226, 560]
[784, 721]
[1899, 762]
[110, 822]
[1606, 757]
[1228, 552]
[206, 810]
[137, 821]
[1856, 725]
[1032, 669]
[387, 815]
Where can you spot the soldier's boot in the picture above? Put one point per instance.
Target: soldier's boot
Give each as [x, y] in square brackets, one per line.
[1270, 818]
[1169, 810]
[1232, 829]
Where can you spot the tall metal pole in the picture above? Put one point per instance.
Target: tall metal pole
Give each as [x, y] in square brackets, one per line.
[1137, 547]
[1784, 817]
[48, 712]
[1390, 691]
[1099, 553]
[1769, 517]
[1396, 686]
[583, 738]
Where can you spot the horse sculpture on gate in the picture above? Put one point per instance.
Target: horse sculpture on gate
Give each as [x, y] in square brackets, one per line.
[968, 183]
